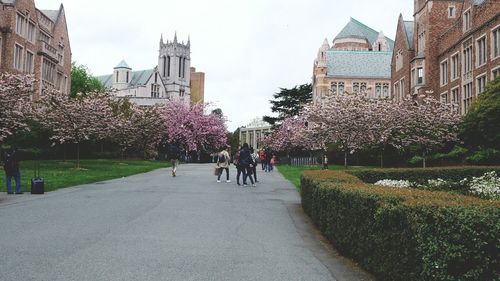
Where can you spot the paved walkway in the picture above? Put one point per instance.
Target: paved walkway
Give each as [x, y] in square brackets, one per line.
[155, 227]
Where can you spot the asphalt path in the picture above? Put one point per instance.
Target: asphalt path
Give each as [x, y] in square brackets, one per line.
[155, 227]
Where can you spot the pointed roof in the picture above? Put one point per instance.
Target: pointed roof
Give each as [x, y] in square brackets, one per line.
[356, 29]
[409, 32]
[123, 64]
[356, 64]
[138, 78]
[51, 14]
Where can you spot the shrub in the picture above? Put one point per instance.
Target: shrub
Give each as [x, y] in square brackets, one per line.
[484, 156]
[405, 234]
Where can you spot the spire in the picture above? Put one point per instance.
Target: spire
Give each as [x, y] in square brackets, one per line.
[175, 37]
[161, 39]
[189, 41]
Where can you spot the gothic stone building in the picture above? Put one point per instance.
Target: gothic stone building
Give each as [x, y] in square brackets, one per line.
[359, 60]
[34, 41]
[171, 80]
[450, 50]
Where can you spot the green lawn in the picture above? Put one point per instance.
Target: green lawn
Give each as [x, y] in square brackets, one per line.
[292, 173]
[60, 174]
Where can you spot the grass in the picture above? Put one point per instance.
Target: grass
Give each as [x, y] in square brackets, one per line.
[293, 173]
[59, 174]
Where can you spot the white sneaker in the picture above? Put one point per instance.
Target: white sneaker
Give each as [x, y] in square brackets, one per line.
[228, 181]
[254, 185]
[218, 180]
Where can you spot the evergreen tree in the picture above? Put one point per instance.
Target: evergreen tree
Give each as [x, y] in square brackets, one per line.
[289, 102]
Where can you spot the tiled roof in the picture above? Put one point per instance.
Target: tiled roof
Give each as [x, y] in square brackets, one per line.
[123, 64]
[7, 1]
[356, 29]
[359, 64]
[51, 14]
[409, 32]
[139, 78]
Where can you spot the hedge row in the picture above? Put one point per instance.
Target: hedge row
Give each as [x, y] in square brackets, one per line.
[405, 234]
[420, 176]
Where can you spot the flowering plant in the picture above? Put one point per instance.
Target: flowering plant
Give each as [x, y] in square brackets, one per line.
[486, 186]
[395, 183]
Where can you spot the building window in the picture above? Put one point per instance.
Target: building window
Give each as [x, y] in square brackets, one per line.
[399, 60]
[495, 73]
[341, 88]
[48, 71]
[378, 90]
[363, 88]
[481, 84]
[30, 62]
[117, 74]
[420, 76]
[467, 97]
[455, 66]
[495, 38]
[18, 57]
[385, 90]
[455, 97]
[402, 89]
[155, 90]
[421, 42]
[355, 87]
[44, 37]
[333, 87]
[451, 12]
[481, 51]
[168, 66]
[444, 98]
[128, 76]
[467, 59]
[397, 92]
[466, 20]
[20, 23]
[164, 66]
[180, 66]
[31, 32]
[184, 68]
[444, 73]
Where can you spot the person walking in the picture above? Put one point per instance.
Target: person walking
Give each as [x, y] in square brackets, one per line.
[255, 159]
[246, 164]
[223, 160]
[236, 163]
[174, 154]
[262, 158]
[269, 156]
[10, 159]
[325, 162]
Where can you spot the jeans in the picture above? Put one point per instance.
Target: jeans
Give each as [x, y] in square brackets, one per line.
[247, 172]
[17, 178]
[222, 170]
[239, 170]
[254, 171]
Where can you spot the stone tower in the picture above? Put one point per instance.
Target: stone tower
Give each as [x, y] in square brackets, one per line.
[174, 64]
[121, 75]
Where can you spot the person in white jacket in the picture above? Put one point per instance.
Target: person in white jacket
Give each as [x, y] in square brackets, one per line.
[223, 162]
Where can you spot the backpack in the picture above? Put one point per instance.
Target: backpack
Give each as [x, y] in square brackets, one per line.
[221, 158]
[236, 158]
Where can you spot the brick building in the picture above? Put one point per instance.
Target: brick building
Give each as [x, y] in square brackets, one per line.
[450, 51]
[35, 41]
[359, 60]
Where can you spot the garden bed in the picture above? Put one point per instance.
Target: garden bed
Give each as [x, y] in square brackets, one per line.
[405, 234]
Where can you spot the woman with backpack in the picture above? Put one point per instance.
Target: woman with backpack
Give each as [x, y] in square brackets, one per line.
[255, 159]
[236, 162]
[223, 161]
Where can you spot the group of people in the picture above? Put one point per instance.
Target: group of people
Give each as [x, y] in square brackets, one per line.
[267, 160]
[245, 160]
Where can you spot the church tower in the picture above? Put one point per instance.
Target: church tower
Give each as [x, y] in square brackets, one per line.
[174, 64]
[122, 74]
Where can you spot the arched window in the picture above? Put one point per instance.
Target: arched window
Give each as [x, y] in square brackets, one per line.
[164, 66]
[168, 66]
[180, 66]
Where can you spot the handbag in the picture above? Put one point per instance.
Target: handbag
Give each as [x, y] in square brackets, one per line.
[216, 171]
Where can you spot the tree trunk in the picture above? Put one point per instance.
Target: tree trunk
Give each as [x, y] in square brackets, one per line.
[78, 155]
[423, 160]
[382, 159]
[345, 159]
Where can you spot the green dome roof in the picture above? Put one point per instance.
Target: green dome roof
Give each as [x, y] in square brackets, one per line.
[123, 64]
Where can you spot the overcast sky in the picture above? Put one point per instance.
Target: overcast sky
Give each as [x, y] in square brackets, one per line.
[248, 49]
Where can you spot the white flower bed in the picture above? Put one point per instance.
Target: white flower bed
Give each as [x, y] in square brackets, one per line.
[395, 183]
[486, 186]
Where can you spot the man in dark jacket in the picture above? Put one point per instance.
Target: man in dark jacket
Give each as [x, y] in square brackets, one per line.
[174, 153]
[246, 163]
[10, 159]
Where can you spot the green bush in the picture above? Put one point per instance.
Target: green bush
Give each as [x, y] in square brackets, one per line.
[405, 234]
[484, 156]
[453, 175]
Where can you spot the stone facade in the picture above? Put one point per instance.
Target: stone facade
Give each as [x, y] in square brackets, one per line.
[456, 50]
[170, 80]
[357, 62]
[36, 42]
[254, 132]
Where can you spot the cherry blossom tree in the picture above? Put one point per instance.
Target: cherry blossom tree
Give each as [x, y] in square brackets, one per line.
[427, 124]
[15, 103]
[74, 120]
[192, 128]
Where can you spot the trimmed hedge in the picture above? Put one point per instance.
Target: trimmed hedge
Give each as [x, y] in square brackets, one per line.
[420, 176]
[405, 234]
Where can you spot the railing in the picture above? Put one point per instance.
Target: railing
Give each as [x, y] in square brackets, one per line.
[49, 51]
[304, 161]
